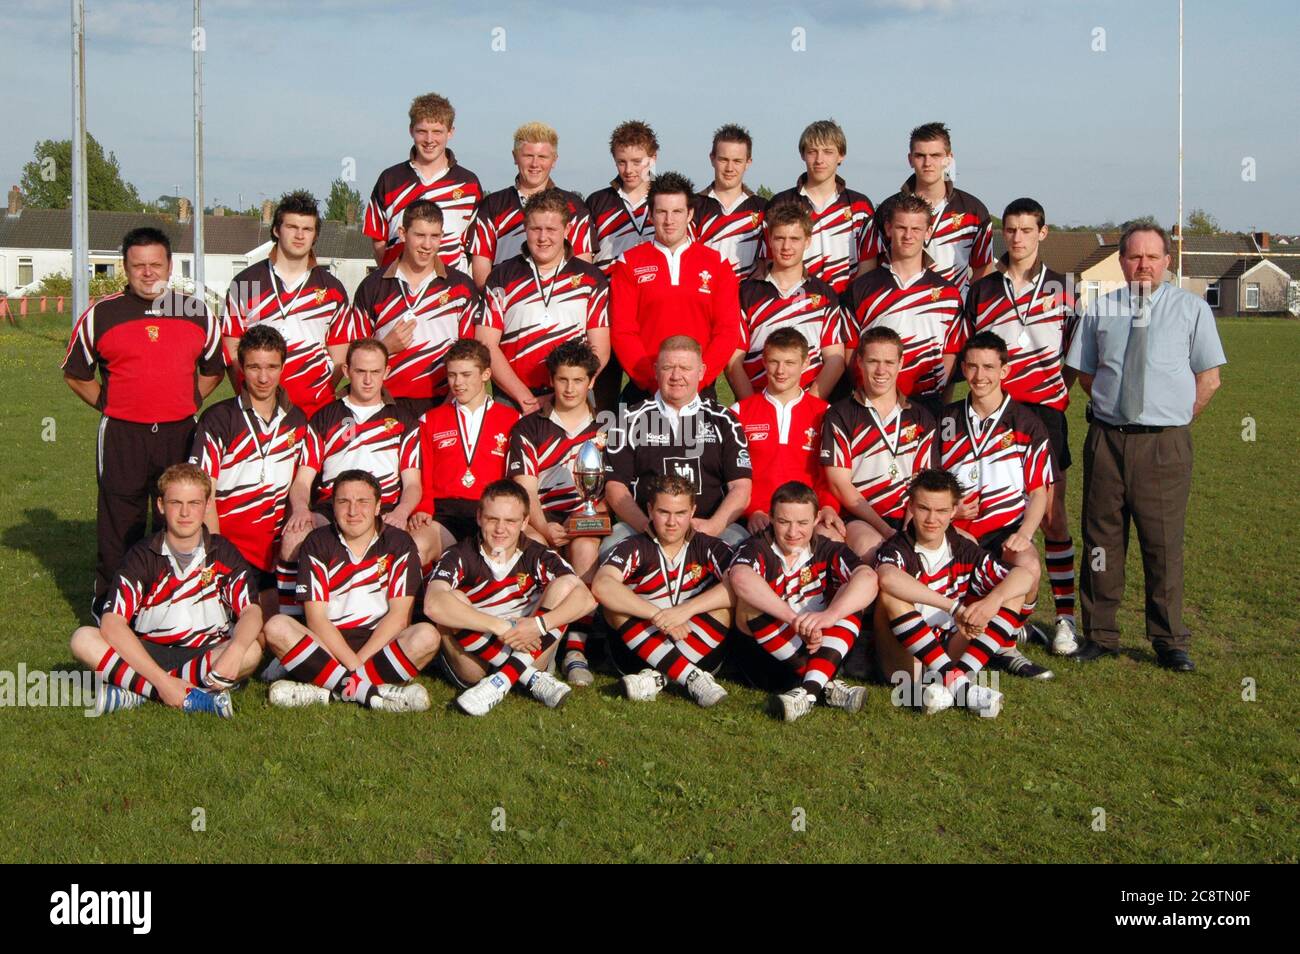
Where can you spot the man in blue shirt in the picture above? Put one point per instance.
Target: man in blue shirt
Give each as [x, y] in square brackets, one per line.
[1148, 355]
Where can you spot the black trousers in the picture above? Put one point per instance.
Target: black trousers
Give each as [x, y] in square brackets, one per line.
[129, 459]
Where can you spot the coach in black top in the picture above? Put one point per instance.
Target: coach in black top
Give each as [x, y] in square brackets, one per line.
[159, 355]
[679, 432]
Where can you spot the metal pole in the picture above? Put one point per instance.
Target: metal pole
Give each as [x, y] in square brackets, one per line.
[197, 43]
[80, 230]
[1180, 143]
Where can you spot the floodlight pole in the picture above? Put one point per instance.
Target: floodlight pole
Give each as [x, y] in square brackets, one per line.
[197, 43]
[1180, 143]
[80, 230]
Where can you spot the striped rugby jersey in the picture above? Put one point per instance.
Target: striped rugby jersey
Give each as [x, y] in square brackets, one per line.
[880, 455]
[499, 233]
[385, 443]
[540, 447]
[700, 564]
[536, 313]
[735, 233]
[617, 224]
[811, 307]
[1037, 322]
[312, 316]
[810, 580]
[1000, 461]
[456, 192]
[357, 589]
[839, 231]
[509, 590]
[187, 608]
[444, 308]
[961, 570]
[252, 463]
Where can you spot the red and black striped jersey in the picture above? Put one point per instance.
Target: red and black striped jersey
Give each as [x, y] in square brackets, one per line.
[456, 192]
[962, 240]
[839, 231]
[188, 607]
[312, 316]
[617, 224]
[807, 580]
[736, 233]
[961, 568]
[499, 233]
[700, 564]
[999, 461]
[537, 313]
[784, 443]
[252, 463]
[149, 354]
[540, 447]
[383, 440]
[448, 436]
[811, 307]
[926, 313]
[357, 589]
[444, 309]
[881, 455]
[511, 589]
[1037, 322]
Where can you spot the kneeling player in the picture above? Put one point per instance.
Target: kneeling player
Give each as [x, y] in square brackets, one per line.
[167, 633]
[801, 597]
[502, 602]
[945, 600]
[357, 581]
[664, 592]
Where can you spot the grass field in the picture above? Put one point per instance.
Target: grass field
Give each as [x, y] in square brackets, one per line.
[1184, 768]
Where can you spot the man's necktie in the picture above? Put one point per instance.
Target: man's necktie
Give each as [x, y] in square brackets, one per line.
[1133, 379]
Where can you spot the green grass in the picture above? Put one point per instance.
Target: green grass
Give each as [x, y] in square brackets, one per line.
[1185, 770]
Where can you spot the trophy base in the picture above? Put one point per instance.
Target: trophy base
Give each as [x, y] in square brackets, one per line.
[579, 526]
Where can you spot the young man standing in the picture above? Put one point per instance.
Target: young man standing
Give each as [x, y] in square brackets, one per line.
[464, 443]
[300, 299]
[840, 216]
[910, 298]
[1028, 306]
[357, 581]
[788, 297]
[417, 307]
[961, 245]
[499, 224]
[251, 446]
[671, 286]
[430, 174]
[664, 593]
[543, 450]
[169, 632]
[538, 300]
[946, 603]
[873, 443]
[729, 217]
[801, 597]
[502, 602]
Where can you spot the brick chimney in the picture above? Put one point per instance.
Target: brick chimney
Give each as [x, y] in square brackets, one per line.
[219, 210]
[183, 210]
[350, 215]
[268, 211]
[15, 203]
[1261, 240]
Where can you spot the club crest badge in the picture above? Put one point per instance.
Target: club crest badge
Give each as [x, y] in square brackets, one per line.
[815, 301]
[694, 572]
[704, 280]
[522, 580]
[848, 214]
[1007, 440]
[444, 298]
[909, 433]
[501, 441]
[935, 293]
[957, 219]
[152, 332]
[457, 192]
[383, 564]
[320, 295]
[805, 576]
[390, 424]
[206, 576]
[754, 218]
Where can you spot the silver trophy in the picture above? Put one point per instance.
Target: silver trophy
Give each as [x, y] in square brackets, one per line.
[589, 481]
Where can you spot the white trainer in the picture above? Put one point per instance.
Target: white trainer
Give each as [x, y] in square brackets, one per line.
[576, 670]
[796, 703]
[1066, 638]
[704, 690]
[548, 690]
[482, 698]
[411, 697]
[645, 685]
[840, 695]
[294, 695]
[987, 702]
[935, 697]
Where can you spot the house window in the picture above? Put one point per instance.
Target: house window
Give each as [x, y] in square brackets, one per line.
[1212, 294]
[25, 271]
[185, 268]
[1252, 295]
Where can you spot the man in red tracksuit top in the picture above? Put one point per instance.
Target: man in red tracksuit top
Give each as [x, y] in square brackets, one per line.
[672, 286]
[467, 439]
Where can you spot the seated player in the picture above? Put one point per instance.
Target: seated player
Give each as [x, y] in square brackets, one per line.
[783, 426]
[664, 592]
[357, 582]
[801, 597]
[501, 602]
[464, 443]
[946, 603]
[543, 449]
[251, 446]
[999, 450]
[169, 632]
[872, 444]
[788, 297]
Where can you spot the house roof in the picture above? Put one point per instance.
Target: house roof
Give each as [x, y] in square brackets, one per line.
[1068, 252]
[1218, 257]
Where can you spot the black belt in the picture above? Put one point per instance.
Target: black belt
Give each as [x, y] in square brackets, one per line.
[1125, 428]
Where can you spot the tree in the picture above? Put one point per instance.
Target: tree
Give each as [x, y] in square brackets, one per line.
[341, 196]
[47, 179]
[1200, 222]
[765, 193]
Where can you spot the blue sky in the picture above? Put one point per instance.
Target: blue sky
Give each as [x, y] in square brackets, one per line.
[292, 89]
